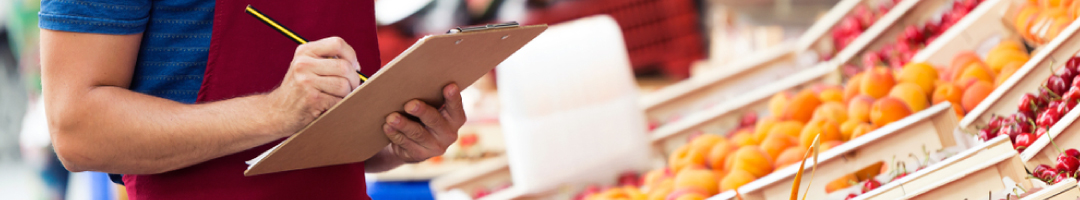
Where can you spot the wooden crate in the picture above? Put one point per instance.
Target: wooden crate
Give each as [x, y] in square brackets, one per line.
[1066, 190]
[972, 174]
[986, 22]
[1027, 79]
[685, 99]
[931, 128]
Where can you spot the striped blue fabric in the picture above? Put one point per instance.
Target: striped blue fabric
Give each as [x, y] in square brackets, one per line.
[175, 44]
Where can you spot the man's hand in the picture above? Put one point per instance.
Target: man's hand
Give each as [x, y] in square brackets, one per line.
[413, 141]
[321, 74]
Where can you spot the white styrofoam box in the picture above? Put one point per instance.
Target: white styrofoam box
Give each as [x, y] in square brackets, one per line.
[569, 108]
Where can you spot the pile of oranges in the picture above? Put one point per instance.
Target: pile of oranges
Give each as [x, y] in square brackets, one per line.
[1039, 21]
[711, 163]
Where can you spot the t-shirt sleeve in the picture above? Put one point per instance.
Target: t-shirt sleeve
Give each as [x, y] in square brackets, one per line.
[119, 17]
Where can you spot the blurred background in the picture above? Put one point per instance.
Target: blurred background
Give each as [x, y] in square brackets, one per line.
[665, 42]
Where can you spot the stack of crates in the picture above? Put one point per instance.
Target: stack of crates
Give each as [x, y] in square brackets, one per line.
[661, 35]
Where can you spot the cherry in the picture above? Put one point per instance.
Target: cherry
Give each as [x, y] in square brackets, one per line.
[1023, 122]
[1075, 82]
[871, 59]
[996, 123]
[1068, 75]
[986, 134]
[1057, 85]
[1023, 141]
[1039, 132]
[931, 28]
[1061, 177]
[1044, 172]
[1072, 153]
[1073, 63]
[1028, 103]
[913, 35]
[1066, 164]
[851, 196]
[1047, 118]
[1071, 97]
[870, 185]
[1010, 130]
[748, 120]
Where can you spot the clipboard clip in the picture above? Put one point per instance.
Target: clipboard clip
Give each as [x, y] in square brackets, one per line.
[483, 28]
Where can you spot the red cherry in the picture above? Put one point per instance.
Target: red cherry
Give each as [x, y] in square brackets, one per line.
[864, 16]
[851, 196]
[870, 185]
[1047, 118]
[1072, 96]
[913, 35]
[1039, 132]
[1057, 85]
[748, 120]
[1073, 63]
[986, 134]
[1072, 153]
[1067, 164]
[1044, 172]
[1075, 82]
[1028, 103]
[1023, 122]
[996, 123]
[1061, 177]
[1068, 75]
[1023, 141]
[871, 59]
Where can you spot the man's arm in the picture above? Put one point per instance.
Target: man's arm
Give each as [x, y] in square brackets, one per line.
[98, 124]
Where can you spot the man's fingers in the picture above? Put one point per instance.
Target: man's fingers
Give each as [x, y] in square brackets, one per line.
[398, 139]
[427, 114]
[335, 86]
[331, 47]
[453, 110]
[328, 67]
[412, 130]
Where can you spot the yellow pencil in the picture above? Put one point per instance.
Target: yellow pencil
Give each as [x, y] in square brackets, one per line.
[285, 31]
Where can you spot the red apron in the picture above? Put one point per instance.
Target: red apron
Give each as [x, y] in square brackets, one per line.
[248, 57]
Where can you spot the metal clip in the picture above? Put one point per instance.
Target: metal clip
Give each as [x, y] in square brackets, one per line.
[483, 28]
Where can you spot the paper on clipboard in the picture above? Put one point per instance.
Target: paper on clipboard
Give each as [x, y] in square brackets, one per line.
[351, 131]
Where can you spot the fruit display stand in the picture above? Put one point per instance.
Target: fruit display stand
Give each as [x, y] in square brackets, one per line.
[487, 177]
[931, 129]
[708, 90]
[973, 174]
[979, 28]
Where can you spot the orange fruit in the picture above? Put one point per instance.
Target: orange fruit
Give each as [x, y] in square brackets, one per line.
[960, 62]
[701, 179]
[834, 111]
[975, 94]
[744, 138]
[752, 159]
[826, 145]
[998, 58]
[841, 183]
[847, 128]
[851, 89]
[831, 95]
[877, 82]
[860, 130]
[790, 156]
[829, 131]
[762, 127]
[704, 142]
[778, 103]
[976, 71]
[683, 157]
[790, 128]
[887, 110]
[921, 74]
[859, 108]
[776, 144]
[801, 107]
[911, 94]
[718, 154]
[947, 92]
[736, 179]
[1007, 71]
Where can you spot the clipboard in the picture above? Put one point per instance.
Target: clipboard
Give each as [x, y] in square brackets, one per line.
[351, 131]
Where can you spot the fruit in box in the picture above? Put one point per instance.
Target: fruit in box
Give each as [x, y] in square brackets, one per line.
[887, 110]
[921, 74]
[860, 130]
[825, 146]
[763, 127]
[975, 94]
[912, 95]
[735, 179]
[876, 82]
[744, 138]
[683, 157]
[832, 111]
[1007, 71]
[791, 155]
[775, 144]
[702, 180]
[753, 160]
[841, 183]
[778, 103]
[859, 108]
[791, 128]
[718, 154]
[801, 107]
[703, 143]
[851, 89]
[828, 130]
[847, 128]
[832, 95]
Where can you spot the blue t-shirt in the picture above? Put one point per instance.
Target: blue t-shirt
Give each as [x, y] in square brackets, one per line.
[175, 41]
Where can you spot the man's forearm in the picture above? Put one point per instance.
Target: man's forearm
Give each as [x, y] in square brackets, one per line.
[115, 130]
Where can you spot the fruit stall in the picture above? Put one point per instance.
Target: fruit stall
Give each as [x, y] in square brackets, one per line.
[905, 99]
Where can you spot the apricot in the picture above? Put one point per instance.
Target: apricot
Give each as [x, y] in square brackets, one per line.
[859, 108]
[947, 92]
[736, 179]
[790, 156]
[684, 157]
[718, 154]
[998, 58]
[1009, 45]
[1007, 71]
[701, 179]
[776, 144]
[654, 177]
[832, 95]
[744, 138]
[977, 73]
[829, 131]
[661, 191]
[801, 107]
[921, 74]
[752, 159]
[847, 128]
[704, 142]
[851, 89]
[888, 110]
[692, 196]
[778, 103]
[860, 130]
[960, 62]
[833, 111]
[791, 128]
[876, 82]
[911, 94]
[975, 94]
[826, 145]
[762, 127]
